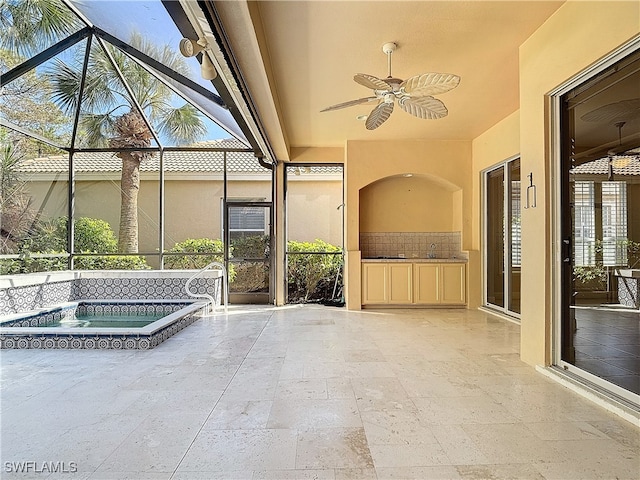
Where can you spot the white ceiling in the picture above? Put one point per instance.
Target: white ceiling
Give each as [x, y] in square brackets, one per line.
[310, 51]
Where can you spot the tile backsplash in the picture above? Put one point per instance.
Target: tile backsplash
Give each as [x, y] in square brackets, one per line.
[411, 244]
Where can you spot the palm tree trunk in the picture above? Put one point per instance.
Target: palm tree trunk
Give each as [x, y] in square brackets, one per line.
[129, 188]
[131, 131]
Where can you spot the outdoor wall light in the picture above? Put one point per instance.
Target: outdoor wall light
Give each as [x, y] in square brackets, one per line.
[191, 48]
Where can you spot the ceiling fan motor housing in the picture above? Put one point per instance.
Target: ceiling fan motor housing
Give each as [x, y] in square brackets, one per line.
[389, 48]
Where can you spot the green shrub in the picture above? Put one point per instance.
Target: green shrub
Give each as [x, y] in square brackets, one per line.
[213, 248]
[28, 264]
[91, 236]
[111, 262]
[307, 270]
[253, 246]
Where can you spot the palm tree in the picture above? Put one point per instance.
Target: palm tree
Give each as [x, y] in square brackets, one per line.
[110, 117]
[28, 26]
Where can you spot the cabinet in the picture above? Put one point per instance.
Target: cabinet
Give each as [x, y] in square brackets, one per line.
[374, 283]
[400, 282]
[386, 283]
[428, 283]
[453, 284]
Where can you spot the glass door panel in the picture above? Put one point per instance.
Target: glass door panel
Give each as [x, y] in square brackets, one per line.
[495, 237]
[600, 230]
[514, 230]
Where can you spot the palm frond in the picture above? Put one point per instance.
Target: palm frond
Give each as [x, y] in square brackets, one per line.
[28, 26]
[96, 129]
[183, 124]
[65, 80]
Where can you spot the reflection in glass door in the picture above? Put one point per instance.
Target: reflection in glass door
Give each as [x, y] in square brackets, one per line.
[599, 192]
[502, 237]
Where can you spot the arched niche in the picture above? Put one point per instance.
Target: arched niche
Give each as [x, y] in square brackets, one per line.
[417, 203]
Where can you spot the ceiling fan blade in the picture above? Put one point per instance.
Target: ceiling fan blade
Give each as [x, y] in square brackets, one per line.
[371, 82]
[428, 108]
[350, 103]
[379, 115]
[430, 84]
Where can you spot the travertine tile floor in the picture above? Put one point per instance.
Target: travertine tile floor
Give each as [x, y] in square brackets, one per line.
[308, 393]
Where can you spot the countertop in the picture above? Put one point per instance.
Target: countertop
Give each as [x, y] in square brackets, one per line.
[415, 260]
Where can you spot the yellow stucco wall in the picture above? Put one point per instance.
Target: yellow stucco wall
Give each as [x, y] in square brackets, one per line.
[400, 204]
[572, 39]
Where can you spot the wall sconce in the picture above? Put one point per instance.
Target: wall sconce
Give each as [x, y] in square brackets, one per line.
[191, 48]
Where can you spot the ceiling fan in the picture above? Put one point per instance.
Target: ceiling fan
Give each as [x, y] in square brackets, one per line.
[414, 95]
[618, 114]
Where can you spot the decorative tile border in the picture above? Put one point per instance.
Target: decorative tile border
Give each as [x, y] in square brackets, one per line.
[89, 341]
[25, 298]
[45, 291]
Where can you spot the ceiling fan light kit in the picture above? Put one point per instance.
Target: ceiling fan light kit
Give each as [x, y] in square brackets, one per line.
[414, 95]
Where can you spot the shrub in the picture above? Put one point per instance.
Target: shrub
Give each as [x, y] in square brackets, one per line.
[28, 264]
[111, 262]
[250, 276]
[91, 236]
[212, 248]
[254, 246]
[308, 270]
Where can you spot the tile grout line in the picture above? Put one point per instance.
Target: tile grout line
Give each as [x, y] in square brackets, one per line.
[218, 400]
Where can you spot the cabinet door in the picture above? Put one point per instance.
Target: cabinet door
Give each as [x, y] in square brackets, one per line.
[426, 278]
[400, 283]
[374, 283]
[453, 284]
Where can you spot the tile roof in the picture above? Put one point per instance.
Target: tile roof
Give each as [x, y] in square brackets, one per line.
[174, 161]
[601, 166]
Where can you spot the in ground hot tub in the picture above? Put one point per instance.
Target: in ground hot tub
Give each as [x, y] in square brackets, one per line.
[95, 324]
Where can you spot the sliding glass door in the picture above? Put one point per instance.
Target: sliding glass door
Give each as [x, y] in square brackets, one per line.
[502, 249]
[599, 205]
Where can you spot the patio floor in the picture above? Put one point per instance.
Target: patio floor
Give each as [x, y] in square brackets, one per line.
[307, 393]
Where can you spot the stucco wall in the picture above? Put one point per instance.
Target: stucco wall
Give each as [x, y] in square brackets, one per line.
[193, 207]
[314, 211]
[572, 39]
[400, 204]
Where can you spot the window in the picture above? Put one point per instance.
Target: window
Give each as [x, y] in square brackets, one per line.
[516, 225]
[600, 225]
[247, 221]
